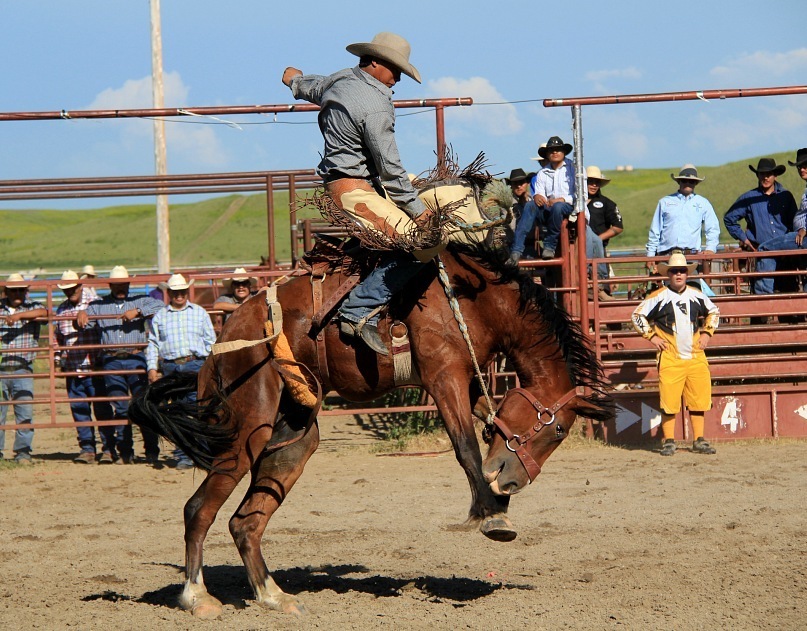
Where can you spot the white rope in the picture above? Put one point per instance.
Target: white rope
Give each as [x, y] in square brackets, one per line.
[455, 308]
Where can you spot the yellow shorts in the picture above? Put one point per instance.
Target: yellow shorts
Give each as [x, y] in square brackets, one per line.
[689, 377]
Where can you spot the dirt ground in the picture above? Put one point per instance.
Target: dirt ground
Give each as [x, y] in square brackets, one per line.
[608, 538]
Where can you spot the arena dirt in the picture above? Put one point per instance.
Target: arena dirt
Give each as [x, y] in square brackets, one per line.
[608, 538]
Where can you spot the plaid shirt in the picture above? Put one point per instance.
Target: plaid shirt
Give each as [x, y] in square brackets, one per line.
[21, 334]
[79, 360]
[177, 333]
[115, 330]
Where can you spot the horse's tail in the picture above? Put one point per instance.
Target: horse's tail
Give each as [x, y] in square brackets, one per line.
[201, 429]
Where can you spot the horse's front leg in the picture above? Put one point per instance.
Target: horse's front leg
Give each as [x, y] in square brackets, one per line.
[272, 478]
[488, 511]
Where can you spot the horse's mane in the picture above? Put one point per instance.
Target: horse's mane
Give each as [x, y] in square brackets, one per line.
[536, 302]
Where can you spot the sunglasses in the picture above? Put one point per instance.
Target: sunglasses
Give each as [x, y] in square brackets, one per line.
[678, 270]
[240, 283]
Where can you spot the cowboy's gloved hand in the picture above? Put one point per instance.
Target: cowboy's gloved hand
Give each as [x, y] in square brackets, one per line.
[427, 220]
[514, 258]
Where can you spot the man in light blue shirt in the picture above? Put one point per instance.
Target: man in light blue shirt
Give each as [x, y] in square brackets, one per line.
[679, 218]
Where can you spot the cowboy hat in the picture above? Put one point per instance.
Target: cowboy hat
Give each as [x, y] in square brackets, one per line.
[388, 47]
[677, 259]
[594, 173]
[517, 176]
[538, 157]
[239, 276]
[177, 282]
[768, 165]
[553, 143]
[88, 270]
[801, 158]
[16, 281]
[71, 279]
[687, 172]
[119, 272]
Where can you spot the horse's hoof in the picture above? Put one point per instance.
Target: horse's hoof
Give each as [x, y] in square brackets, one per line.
[286, 603]
[498, 528]
[207, 609]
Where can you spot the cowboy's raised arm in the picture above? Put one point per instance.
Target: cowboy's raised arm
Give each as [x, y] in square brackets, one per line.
[307, 87]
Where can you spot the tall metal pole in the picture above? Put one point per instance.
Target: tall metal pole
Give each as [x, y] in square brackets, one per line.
[580, 209]
[160, 166]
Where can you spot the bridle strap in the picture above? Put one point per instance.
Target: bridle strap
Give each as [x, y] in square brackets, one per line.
[518, 443]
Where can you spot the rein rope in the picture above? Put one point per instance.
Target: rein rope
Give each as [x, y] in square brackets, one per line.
[455, 309]
[480, 225]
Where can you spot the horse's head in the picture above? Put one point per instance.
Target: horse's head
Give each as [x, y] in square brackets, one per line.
[523, 434]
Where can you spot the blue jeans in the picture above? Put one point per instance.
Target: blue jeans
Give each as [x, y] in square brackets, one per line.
[120, 436]
[551, 217]
[763, 285]
[18, 389]
[379, 287]
[596, 250]
[82, 388]
[192, 366]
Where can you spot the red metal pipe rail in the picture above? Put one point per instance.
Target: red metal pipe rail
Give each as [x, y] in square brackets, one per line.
[692, 95]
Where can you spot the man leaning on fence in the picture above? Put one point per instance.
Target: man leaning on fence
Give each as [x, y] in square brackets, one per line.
[18, 330]
[85, 384]
[121, 321]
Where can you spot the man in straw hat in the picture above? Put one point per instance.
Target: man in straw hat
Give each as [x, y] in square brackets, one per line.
[19, 330]
[82, 361]
[124, 333]
[679, 321]
[362, 168]
[604, 220]
[240, 287]
[180, 339]
[553, 191]
[679, 217]
[768, 210]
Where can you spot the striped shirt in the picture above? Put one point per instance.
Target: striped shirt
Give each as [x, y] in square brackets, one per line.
[20, 334]
[116, 330]
[179, 333]
[79, 360]
[357, 121]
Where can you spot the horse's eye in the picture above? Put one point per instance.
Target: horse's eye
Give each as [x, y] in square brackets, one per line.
[559, 431]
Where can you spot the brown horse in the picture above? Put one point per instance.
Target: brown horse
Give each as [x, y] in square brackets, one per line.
[505, 313]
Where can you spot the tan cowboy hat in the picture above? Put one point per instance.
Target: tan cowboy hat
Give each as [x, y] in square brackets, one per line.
[16, 281]
[677, 259]
[768, 165]
[177, 282]
[87, 271]
[119, 272]
[687, 172]
[240, 274]
[71, 280]
[388, 47]
[594, 173]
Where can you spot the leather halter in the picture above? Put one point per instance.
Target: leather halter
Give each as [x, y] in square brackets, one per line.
[517, 443]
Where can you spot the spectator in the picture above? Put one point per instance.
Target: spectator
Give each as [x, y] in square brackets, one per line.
[239, 289]
[519, 183]
[181, 337]
[604, 218]
[88, 271]
[801, 167]
[553, 191]
[679, 321]
[123, 334]
[768, 211]
[363, 172]
[539, 158]
[19, 330]
[83, 361]
[677, 221]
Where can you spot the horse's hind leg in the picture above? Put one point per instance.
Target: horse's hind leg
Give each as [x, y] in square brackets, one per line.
[200, 512]
[272, 478]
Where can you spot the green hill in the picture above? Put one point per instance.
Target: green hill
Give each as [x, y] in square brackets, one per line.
[232, 229]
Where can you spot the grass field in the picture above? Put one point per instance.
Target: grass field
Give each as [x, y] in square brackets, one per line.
[232, 229]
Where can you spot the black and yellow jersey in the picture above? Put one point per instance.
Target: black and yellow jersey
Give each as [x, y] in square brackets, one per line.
[677, 318]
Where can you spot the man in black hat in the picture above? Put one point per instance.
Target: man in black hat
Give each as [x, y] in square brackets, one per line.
[800, 220]
[553, 191]
[519, 183]
[363, 172]
[768, 211]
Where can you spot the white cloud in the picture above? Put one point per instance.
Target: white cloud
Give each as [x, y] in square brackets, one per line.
[762, 66]
[496, 120]
[190, 141]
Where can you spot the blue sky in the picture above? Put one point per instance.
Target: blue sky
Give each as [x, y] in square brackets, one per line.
[94, 54]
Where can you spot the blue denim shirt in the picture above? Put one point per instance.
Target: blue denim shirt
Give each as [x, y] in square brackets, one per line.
[766, 216]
